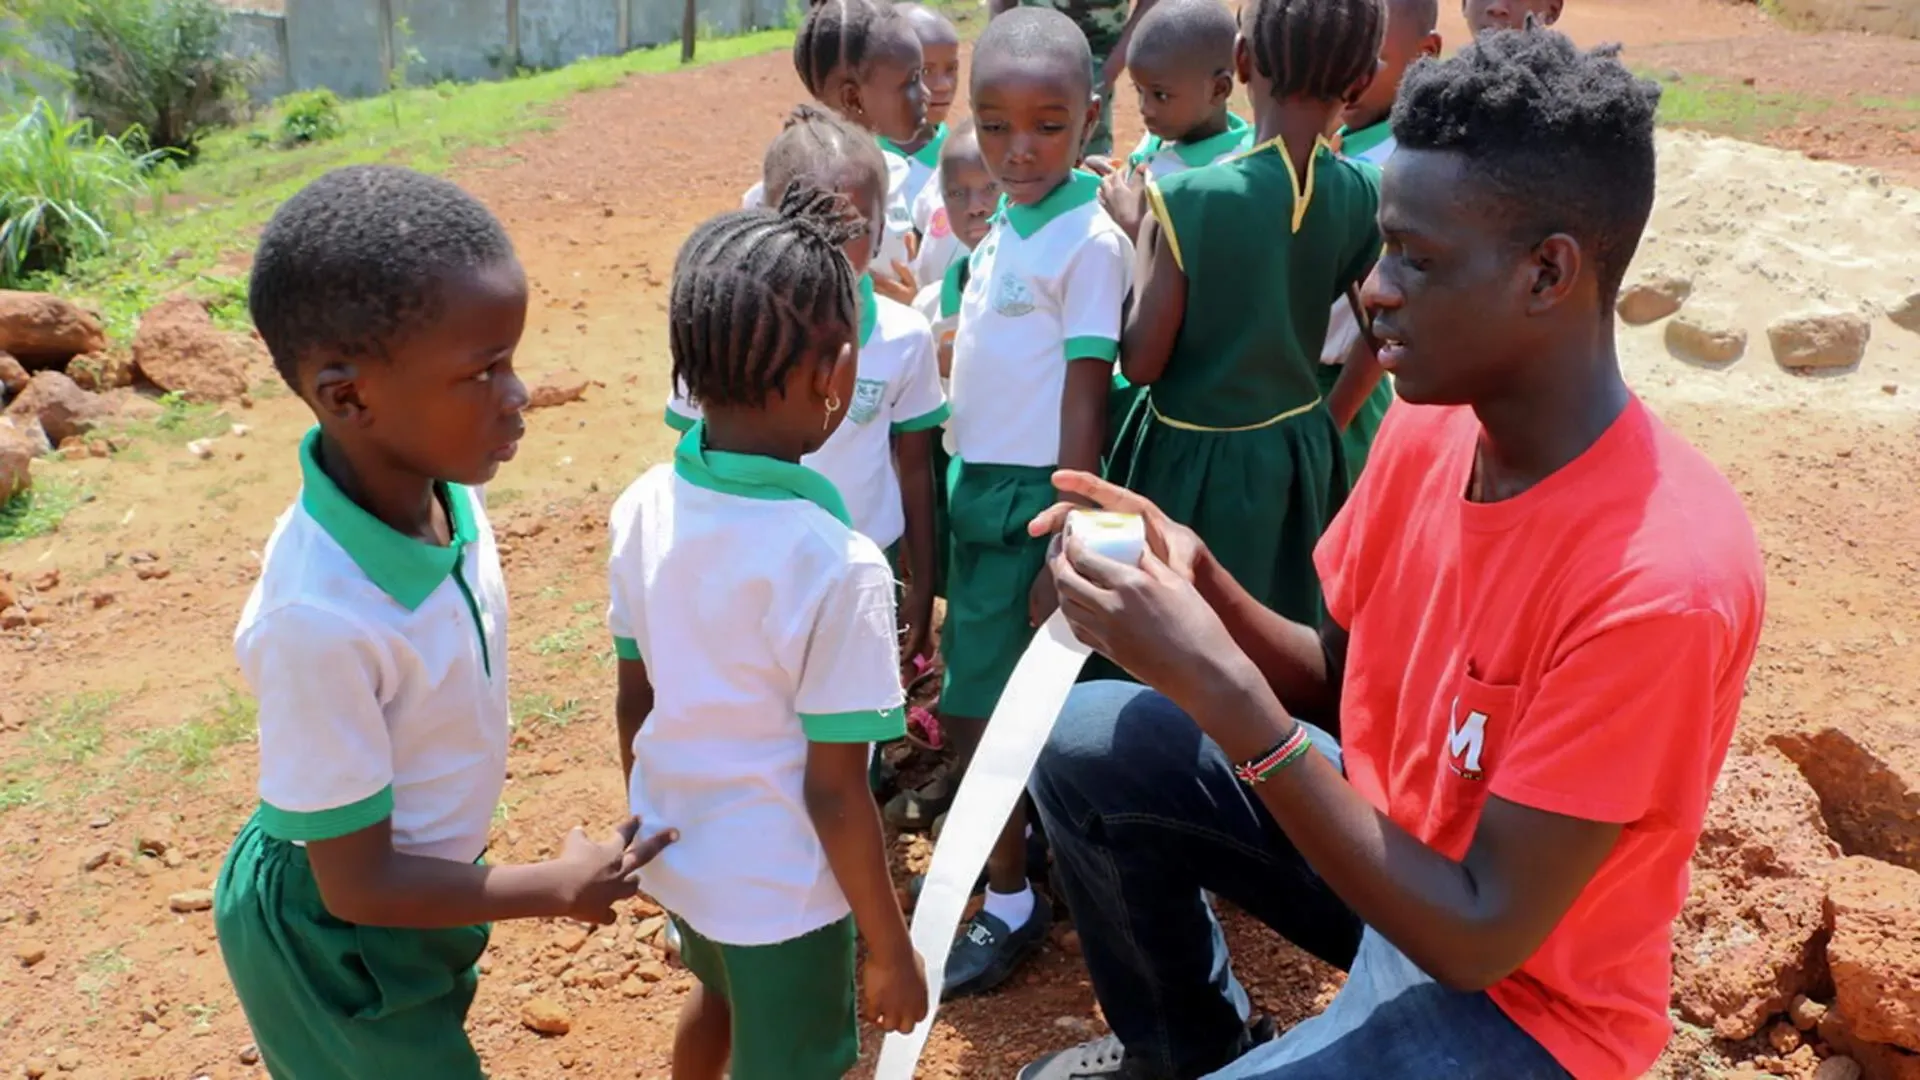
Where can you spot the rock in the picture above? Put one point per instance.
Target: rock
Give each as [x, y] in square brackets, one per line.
[101, 371]
[30, 953]
[179, 350]
[96, 859]
[1784, 1037]
[572, 940]
[46, 331]
[250, 1055]
[1874, 954]
[562, 389]
[37, 1067]
[150, 1032]
[62, 408]
[1838, 1068]
[1866, 770]
[1877, 1061]
[182, 903]
[1706, 337]
[634, 988]
[29, 428]
[652, 971]
[7, 598]
[1654, 297]
[152, 571]
[156, 836]
[47, 580]
[1806, 1013]
[67, 1060]
[545, 1017]
[1746, 943]
[16, 464]
[13, 375]
[173, 860]
[1906, 313]
[12, 618]
[201, 448]
[1820, 340]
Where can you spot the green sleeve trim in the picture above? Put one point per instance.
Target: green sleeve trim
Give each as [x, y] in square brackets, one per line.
[326, 824]
[866, 725]
[1092, 348]
[677, 422]
[924, 421]
[625, 648]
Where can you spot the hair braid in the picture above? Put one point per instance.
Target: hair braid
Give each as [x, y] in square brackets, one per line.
[837, 35]
[757, 291]
[1316, 48]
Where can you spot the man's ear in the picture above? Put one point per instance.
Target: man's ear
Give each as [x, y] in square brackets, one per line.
[1555, 272]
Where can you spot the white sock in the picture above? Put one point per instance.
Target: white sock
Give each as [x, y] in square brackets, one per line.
[1014, 909]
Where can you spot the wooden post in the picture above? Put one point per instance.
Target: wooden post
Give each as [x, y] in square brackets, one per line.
[623, 24]
[689, 25]
[513, 37]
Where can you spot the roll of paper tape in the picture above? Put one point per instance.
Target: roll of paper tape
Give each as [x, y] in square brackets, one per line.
[1119, 536]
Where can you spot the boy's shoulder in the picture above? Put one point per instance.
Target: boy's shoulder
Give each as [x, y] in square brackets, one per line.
[309, 586]
[897, 324]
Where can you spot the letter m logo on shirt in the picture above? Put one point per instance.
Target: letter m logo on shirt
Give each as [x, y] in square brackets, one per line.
[1465, 741]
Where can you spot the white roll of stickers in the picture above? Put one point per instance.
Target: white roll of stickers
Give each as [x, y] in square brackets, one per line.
[1015, 734]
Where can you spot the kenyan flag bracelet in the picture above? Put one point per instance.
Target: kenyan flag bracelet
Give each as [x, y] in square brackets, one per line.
[1286, 752]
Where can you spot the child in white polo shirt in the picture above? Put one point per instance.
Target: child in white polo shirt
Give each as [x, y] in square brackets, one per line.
[353, 905]
[1032, 361]
[881, 459]
[755, 634]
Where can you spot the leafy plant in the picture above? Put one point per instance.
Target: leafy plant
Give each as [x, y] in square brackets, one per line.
[63, 190]
[310, 116]
[158, 66]
[405, 58]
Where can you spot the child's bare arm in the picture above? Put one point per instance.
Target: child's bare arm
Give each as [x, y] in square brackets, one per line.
[1358, 376]
[1159, 306]
[841, 806]
[913, 457]
[631, 705]
[1083, 414]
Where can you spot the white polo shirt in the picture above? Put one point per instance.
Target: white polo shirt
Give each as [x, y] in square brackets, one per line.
[898, 390]
[899, 213]
[940, 246]
[922, 165]
[1373, 145]
[380, 666]
[766, 623]
[1044, 288]
[1163, 159]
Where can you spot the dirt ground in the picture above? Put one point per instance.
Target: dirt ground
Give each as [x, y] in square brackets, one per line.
[128, 988]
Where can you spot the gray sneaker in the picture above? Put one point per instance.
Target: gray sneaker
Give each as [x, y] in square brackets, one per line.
[1101, 1059]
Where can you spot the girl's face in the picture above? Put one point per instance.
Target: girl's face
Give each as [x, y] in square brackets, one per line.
[890, 98]
[941, 77]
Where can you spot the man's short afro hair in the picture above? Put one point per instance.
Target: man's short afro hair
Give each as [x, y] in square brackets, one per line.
[351, 262]
[1037, 38]
[1562, 138]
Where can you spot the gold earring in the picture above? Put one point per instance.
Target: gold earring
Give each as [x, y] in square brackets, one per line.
[833, 406]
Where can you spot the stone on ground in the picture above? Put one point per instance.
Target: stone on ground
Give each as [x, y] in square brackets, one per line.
[1866, 770]
[1878, 1061]
[1706, 336]
[62, 409]
[13, 375]
[180, 350]
[562, 389]
[46, 331]
[1874, 953]
[1653, 298]
[546, 1017]
[101, 371]
[1906, 313]
[17, 452]
[1819, 340]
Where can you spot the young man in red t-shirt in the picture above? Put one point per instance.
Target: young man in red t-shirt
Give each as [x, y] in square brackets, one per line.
[1542, 608]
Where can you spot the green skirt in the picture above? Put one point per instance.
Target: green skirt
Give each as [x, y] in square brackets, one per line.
[993, 566]
[792, 1003]
[332, 1000]
[1259, 499]
[1357, 440]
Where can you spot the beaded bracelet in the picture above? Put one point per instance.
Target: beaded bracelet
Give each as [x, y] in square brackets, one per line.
[1289, 750]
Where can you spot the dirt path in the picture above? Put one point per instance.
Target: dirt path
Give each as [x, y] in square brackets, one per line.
[112, 718]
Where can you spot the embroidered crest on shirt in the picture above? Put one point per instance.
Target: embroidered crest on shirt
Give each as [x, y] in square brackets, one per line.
[1011, 297]
[1466, 742]
[867, 395]
[938, 228]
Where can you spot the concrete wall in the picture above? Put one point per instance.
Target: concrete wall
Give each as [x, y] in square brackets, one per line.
[262, 36]
[1899, 18]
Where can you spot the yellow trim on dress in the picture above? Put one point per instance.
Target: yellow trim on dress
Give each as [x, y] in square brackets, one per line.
[1302, 193]
[1157, 203]
[1267, 423]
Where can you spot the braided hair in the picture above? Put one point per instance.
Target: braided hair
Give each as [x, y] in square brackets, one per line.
[1314, 48]
[813, 148]
[840, 35]
[755, 292]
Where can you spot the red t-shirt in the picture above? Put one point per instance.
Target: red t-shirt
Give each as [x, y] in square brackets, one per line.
[1581, 649]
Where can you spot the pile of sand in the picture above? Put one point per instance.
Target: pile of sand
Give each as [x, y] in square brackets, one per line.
[1747, 240]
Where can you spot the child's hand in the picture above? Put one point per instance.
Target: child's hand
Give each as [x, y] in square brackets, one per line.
[1123, 195]
[596, 875]
[894, 996]
[900, 287]
[1042, 600]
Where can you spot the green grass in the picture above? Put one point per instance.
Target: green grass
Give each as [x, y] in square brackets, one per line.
[38, 510]
[236, 183]
[569, 640]
[16, 792]
[180, 422]
[71, 731]
[1728, 107]
[542, 710]
[98, 972]
[191, 746]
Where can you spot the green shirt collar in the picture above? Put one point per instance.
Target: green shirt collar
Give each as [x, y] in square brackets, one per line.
[1354, 143]
[928, 155]
[406, 569]
[869, 310]
[1078, 190]
[952, 286]
[1208, 150]
[751, 476]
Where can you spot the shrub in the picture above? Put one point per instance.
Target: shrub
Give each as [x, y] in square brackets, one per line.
[63, 190]
[159, 66]
[309, 117]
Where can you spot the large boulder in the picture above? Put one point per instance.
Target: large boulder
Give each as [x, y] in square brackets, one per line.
[180, 350]
[1747, 941]
[1880, 1061]
[61, 408]
[46, 331]
[13, 375]
[17, 452]
[1866, 770]
[101, 372]
[1822, 340]
[1874, 954]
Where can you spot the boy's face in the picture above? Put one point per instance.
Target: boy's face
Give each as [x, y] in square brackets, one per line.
[1484, 15]
[1177, 99]
[1031, 123]
[1402, 45]
[890, 99]
[970, 195]
[445, 402]
[941, 76]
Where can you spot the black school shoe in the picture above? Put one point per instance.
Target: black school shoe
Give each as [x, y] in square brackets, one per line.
[988, 951]
[1106, 1059]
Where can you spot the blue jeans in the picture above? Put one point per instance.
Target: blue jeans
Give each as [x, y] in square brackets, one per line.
[1143, 813]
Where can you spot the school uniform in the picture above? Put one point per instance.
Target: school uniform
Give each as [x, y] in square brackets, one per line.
[1234, 440]
[767, 623]
[1162, 159]
[897, 391]
[1370, 146]
[1043, 289]
[899, 214]
[939, 303]
[379, 664]
[923, 165]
